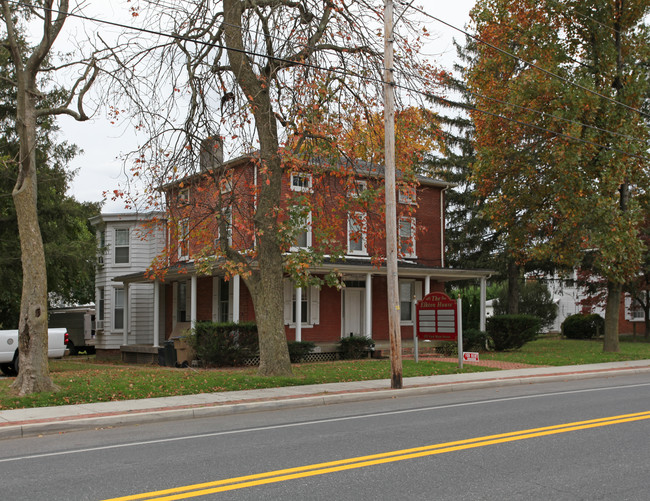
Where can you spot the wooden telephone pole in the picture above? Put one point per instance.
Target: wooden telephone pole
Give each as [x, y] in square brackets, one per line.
[394, 330]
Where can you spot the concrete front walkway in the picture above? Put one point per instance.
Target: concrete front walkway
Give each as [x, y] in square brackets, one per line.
[36, 421]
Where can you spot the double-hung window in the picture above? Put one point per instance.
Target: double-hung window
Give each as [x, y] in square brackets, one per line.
[304, 306]
[300, 181]
[406, 298]
[357, 233]
[118, 310]
[302, 231]
[224, 224]
[357, 188]
[184, 196]
[101, 305]
[121, 246]
[407, 236]
[309, 305]
[184, 239]
[406, 194]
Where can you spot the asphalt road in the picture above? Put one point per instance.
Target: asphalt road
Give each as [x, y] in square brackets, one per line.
[577, 440]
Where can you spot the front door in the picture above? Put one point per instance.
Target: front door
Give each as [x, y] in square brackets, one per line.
[353, 312]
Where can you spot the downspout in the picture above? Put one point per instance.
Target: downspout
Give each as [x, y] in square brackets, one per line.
[442, 226]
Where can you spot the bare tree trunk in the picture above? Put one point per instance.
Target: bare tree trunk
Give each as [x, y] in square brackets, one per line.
[614, 291]
[268, 289]
[33, 375]
[269, 306]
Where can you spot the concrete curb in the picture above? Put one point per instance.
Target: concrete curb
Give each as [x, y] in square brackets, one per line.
[35, 427]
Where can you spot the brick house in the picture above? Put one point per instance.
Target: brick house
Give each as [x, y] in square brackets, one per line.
[335, 218]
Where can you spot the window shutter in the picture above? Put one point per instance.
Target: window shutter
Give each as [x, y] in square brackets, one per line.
[314, 307]
[188, 299]
[628, 307]
[288, 297]
[215, 299]
[174, 304]
[418, 291]
[231, 299]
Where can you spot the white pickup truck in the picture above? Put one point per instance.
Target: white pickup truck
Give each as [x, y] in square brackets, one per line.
[57, 340]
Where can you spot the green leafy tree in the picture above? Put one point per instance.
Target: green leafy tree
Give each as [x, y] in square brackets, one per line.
[572, 184]
[470, 240]
[29, 78]
[69, 243]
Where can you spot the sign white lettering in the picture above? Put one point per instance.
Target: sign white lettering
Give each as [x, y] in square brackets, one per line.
[470, 356]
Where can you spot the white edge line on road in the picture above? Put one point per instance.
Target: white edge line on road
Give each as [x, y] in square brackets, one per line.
[313, 422]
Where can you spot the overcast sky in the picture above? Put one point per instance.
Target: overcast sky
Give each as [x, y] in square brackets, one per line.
[99, 167]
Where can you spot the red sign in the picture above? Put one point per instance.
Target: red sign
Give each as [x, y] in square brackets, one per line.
[470, 356]
[437, 318]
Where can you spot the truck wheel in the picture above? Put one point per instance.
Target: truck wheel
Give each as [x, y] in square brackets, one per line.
[72, 349]
[15, 364]
[8, 370]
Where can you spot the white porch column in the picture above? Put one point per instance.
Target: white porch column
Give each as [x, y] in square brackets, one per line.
[235, 298]
[193, 300]
[298, 313]
[125, 319]
[156, 313]
[482, 305]
[368, 312]
[427, 285]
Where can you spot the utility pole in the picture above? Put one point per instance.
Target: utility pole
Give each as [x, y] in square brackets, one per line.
[394, 330]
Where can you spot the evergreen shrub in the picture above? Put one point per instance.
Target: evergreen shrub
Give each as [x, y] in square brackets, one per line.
[581, 326]
[224, 344]
[355, 347]
[511, 332]
[299, 349]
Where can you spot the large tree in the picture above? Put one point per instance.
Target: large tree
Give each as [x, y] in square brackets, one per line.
[560, 139]
[69, 242]
[31, 77]
[281, 80]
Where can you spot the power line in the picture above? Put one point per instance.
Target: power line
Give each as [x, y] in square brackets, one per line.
[470, 107]
[366, 78]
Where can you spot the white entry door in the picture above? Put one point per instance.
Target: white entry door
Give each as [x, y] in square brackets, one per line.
[353, 312]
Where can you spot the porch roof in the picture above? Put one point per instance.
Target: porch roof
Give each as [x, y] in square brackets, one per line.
[351, 266]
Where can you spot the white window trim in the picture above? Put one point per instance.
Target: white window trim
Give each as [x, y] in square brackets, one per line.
[358, 187]
[183, 235]
[412, 220]
[114, 309]
[228, 213]
[128, 246]
[416, 289]
[308, 229]
[361, 217]
[225, 184]
[184, 195]
[407, 195]
[312, 295]
[635, 310]
[306, 175]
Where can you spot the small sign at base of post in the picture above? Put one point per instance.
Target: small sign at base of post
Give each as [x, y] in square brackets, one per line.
[470, 356]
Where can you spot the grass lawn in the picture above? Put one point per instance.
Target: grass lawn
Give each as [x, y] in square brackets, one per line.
[557, 351]
[84, 380]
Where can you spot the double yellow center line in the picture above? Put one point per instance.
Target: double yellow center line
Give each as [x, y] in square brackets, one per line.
[203, 489]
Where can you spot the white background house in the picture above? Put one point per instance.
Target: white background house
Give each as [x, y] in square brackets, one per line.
[127, 243]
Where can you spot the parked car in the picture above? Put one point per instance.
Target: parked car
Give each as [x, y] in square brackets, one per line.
[57, 340]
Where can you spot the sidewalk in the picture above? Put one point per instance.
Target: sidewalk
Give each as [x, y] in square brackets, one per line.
[19, 423]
